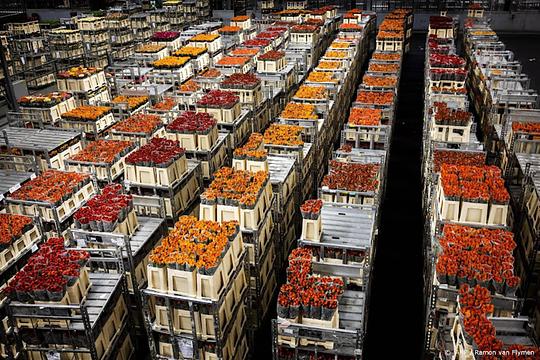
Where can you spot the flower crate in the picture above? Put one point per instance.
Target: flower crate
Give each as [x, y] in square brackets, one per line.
[139, 129]
[54, 195]
[161, 162]
[89, 119]
[81, 79]
[242, 21]
[194, 131]
[99, 96]
[211, 160]
[97, 37]
[248, 209]
[199, 57]
[271, 62]
[247, 87]
[92, 23]
[48, 108]
[109, 212]
[183, 275]
[103, 158]
[239, 130]
[212, 42]
[23, 28]
[230, 65]
[63, 36]
[483, 201]
[19, 233]
[304, 34]
[224, 106]
[171, 39]
[150, 53]
[389, 45]
[251, 156]
[172, 76]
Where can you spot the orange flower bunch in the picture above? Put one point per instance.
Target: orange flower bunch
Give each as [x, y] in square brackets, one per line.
[233, 60]
[245, 52]
[299, 111]
[103, 151]
[195, 244]
[240, 18]
[375, 97]
[390, 35]
[86, 113]
[337, 54]
[139, 124]
[165, 104]
[51, 186]
[204, 38]
[281, 134]
[355, 27]
[340, 45]
[392, 25]
[150, 48]
[311, 92]
[211, 73]
[190, 51]
[365, 117]
[237, 187]
[77, 72]
[530, 128]
[482, 33]
[452, 90]
[329, 65]
[391, 68]
[229, 29]
[12, 227]
[252, 148]
[321, 77]
[132, 101]
[386, 56]
[189, 86]
[170, 62]
[380, 81]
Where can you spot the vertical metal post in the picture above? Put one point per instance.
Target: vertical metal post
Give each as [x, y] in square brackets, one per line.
[10, 93]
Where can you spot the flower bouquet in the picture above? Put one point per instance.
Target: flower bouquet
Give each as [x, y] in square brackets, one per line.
[195, 245]
[386, 68]
[219, 99]
[189, 86]
[150, 48]
[365, 117]
[170, 62]
[51, 186]
[13, 227]
[211, 73]
[304, 29]
[86, 113]
[312, 92]
[78, 72]
[190, 122]
[259, 43]
[133, 101]
[235, 61]
[165, 36]
[529, 128]
[190, 51]
[252, 149]
[329, 65]
[105, 211]
[311, 209]
[457, 158]
[241, 81]
[352, 177]
[47, 274]
[284, 135]
[43, 101]
[321, 77]
[350, 27]
[446, 61]
[391, 56]
[164, 105]
[204, 38]
[157, 153]
[103, 152]
[380, 81]
[237, 187]
[375, 97]
[271, 55]
[229, 30]
[299, 111]
[244, 52]
[336, 54]
[452, 117]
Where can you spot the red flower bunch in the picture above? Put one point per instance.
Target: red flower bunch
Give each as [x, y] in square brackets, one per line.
[453, 157]
[477, 183]
[52, 186]
[477, 255]
[531, 128]
[158, 152]
[447, 116]
[271, 55]
[446, 61]
[311, 209]
[237, 80]
[164, 36]
[441, 22]
[270, 35]
[139, 124]
[305, 28]
[352, 176]
[104, 211]
[256, 43]
[192, 122]
[48, 273]
[103, 151]
[219, 99]
[12, 227]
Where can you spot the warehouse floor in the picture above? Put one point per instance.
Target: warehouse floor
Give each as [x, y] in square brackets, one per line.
[396, 307]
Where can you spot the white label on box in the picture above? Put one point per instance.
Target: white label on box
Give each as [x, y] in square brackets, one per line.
[32, 176]
[52, 355]
[81, 243]
[186, 347]
[34, 248]
[1, 197]
[14, 188]
[23, 61]
[117, 242]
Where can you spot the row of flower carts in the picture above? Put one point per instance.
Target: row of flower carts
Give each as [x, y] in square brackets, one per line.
[472, 280]
[321, 308]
